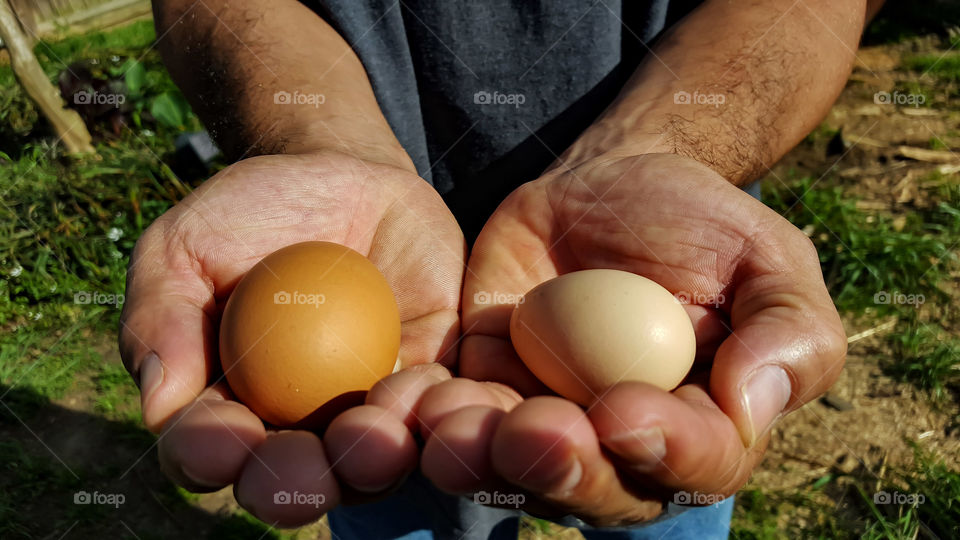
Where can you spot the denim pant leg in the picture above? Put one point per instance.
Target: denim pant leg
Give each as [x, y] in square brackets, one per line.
[700, 523]
[419, 511]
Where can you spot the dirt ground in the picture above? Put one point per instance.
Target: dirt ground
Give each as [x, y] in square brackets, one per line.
[883, 413]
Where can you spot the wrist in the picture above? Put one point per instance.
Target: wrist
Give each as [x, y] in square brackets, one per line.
[370, 151]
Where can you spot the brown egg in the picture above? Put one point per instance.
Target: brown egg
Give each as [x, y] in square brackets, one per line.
[310, 326]
[584, 331]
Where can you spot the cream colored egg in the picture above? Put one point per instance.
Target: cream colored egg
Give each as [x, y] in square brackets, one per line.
[584, 331]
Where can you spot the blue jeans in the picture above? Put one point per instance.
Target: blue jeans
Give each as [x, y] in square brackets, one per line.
[418, 511]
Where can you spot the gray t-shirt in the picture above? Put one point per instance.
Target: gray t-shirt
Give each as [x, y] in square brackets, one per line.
[484, 95]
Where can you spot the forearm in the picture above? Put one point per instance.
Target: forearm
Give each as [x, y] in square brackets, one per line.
[776, 66]
[232, 58]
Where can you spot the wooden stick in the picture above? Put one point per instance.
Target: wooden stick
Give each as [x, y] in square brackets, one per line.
[67, 123]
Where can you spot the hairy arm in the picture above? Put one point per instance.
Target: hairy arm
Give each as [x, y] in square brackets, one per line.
[758, 76]
[231, 58]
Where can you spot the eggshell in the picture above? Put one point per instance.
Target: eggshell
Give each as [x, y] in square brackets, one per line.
[584, 331]
[311, 324]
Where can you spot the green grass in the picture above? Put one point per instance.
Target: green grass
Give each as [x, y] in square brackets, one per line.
[59, 221]
[117, 396]
[929, 357]
[936, 143]
[935, 508]
[823, 133]
[803, 512]
[864, 254]
[945, 67]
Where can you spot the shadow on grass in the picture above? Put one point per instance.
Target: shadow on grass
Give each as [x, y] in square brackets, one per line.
[54, 458]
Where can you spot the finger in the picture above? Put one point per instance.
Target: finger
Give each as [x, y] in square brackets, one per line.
[287, 481]
[166, 334]
[788, 343]
[548, 446]
[444, 398]
[371, 449]
[401, 392]
[678, 440]
[205, 445]
[456, 457]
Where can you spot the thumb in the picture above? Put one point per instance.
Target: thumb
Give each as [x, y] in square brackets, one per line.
[788, 344]
[166, 340]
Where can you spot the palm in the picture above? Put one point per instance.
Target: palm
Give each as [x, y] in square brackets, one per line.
[185, 266]
[675, 221]
[688, 240]
[257, 206]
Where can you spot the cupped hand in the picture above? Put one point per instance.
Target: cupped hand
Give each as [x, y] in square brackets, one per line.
[186, 264]
[768, 338]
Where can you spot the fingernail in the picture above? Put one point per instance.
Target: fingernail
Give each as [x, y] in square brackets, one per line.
[151, 376]
[765, 393]
[571, 480]
[643, 448]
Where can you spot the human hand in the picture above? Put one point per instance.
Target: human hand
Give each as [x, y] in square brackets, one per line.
[182, 271]
[774, 342]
